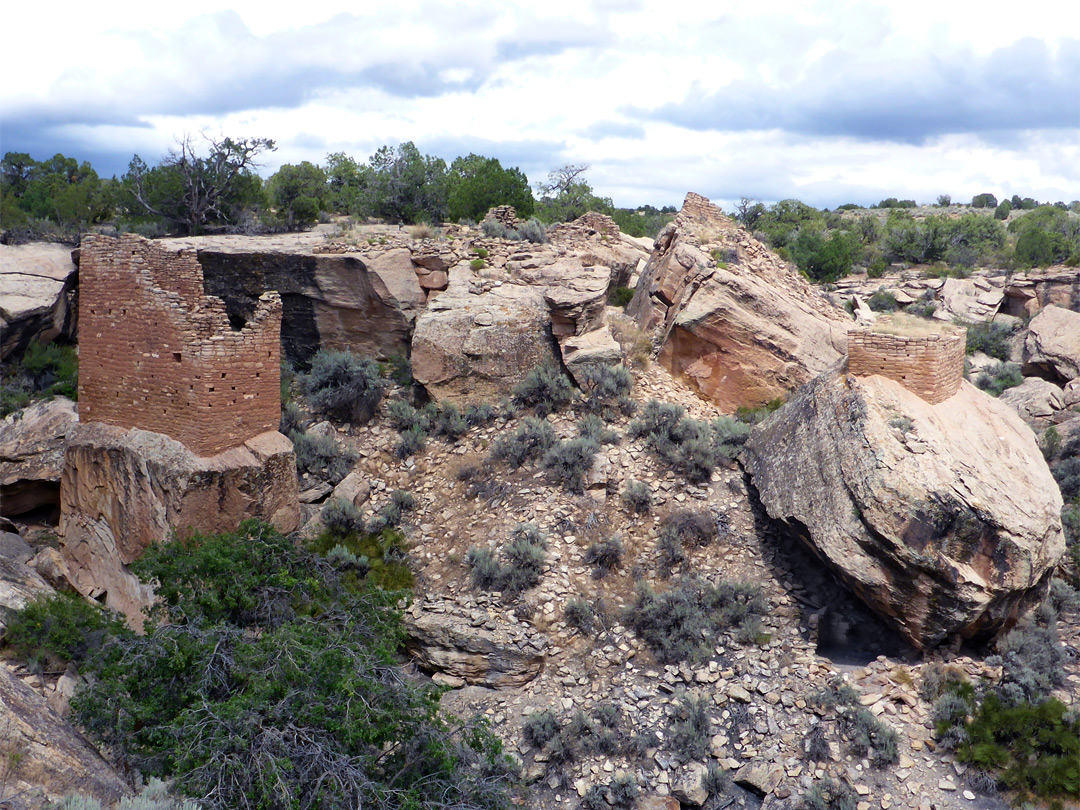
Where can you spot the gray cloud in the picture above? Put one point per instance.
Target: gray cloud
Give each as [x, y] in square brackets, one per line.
[1019, 87]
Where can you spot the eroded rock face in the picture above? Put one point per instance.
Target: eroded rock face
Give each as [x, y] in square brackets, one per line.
[32, 455]
[1027, 293]
[1052, 345]
[55, 760]
[740, 336]
[38, 295]
[942, 518]
[1036, 400]
[478, 653]
[123, 490]
[329, 301]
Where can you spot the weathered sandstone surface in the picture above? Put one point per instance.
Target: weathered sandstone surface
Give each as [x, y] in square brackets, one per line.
[32, 446]
[743, 333]
[942, 518]
[38, 295]
[53, 760]
[1052, 345]
[123, 490]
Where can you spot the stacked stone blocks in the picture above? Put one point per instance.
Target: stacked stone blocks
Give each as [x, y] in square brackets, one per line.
[931, 366]
[157, 353]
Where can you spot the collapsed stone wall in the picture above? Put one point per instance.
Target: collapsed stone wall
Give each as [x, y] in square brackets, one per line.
[159, 354]
[931, 366]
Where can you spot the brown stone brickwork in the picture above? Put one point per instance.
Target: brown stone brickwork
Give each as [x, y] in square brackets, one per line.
[931, 366]
[157, 353]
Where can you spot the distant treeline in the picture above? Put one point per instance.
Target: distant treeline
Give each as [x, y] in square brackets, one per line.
[212, 186]
[951, 239]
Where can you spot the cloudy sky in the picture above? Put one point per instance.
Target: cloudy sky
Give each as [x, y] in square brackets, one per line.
[829, 102]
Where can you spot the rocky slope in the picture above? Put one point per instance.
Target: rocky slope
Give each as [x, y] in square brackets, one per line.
[38, 295]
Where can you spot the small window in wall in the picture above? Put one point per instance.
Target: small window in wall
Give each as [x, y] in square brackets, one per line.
[177, 356]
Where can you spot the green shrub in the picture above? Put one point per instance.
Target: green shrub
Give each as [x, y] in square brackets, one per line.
[829, 794]
[621, 296]
[44, 371]
[991, 339]
[404, 416]
[999, 377]
[525, 557]
[681, 623]
[531, 440]
[605, 387]
[155, 796]
[579, 614]
[263, 682]
[815, 746]
[450, 424]
[413, 441]
[63, 626]
[341, 516]
[343, 386]
[480, 252]
[882, 301]
[691, 446]
[835, 693]
[477, 264]
[605, 556]
[532, 230]
[690, 728]
[592, 428]
[478, 415]
[637, 497]
[1034, 748]
[568, 462]
[292, 420]
[322, 457]
[540, 728]
[544, 389]
[868, 735]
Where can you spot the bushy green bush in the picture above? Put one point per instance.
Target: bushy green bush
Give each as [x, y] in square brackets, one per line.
[690, 727]
[592, 428]
[341, 516]
[449, 423]
[605, 388]
[989, 338]
[682, 623]
[882, 301]
[830, 794]
[63, 625]
[413, 440]
[999, 378]
[579, 614]
[322, 457]
[621, 296]
[545, 389]
[292, 420]
[531, 440]
[532, 230]
[691, 446]
[525, 557]
[155, 796]
[478, 415]
[404, 416]
[44, 371]
[245, 687]
[568, 462]
[343, 386]
[604, 556]
[637, 497]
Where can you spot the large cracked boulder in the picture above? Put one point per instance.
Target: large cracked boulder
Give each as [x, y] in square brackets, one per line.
[731, 319]
[473, 649]
[1027, 293]
[123, 490]
[51, 759]
[942, 518]
[1052, 345]
[38, 296]
[32, 446]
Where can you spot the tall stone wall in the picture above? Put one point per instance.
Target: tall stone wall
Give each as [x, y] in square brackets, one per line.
[931, 366]
[157, 353]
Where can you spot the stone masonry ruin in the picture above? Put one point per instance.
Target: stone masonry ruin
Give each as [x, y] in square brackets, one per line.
[159, 354]
[931, 366]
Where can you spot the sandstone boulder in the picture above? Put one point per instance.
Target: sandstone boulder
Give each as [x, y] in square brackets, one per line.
[52, 759]
[32, 444]
[942, 518]
[1036, 400]
[743, 333]
[38, 296]
[123, 490]
[478, 653]
[19, 584]
[480, 337]
[1052, 345]
[969, 299]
